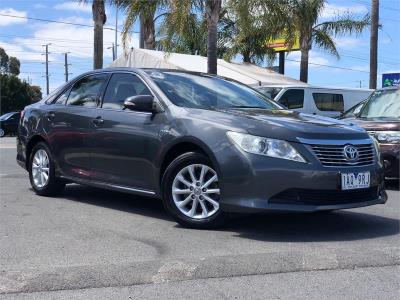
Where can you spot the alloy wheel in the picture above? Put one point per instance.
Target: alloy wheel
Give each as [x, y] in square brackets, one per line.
[196, 192]
[2, 132]
[40, 168]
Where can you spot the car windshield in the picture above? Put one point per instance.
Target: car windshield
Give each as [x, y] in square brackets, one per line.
[355, 110]
[208, 92]
[382, 104]
[270, 92]
[6, 116]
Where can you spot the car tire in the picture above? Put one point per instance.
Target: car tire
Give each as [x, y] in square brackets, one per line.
[2, 132]
[204, 214]
[43, 185]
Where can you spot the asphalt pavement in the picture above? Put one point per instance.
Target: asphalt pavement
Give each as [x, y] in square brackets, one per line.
[90, 243]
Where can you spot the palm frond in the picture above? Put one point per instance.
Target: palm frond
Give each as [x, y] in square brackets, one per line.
[344, 24]
[324, 41]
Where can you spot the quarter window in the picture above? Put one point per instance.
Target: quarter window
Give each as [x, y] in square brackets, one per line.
[329, 102]
[62, 98]
[85, 92]
[293, 98]
[122, 86]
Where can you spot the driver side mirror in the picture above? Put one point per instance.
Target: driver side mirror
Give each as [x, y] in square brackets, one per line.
[144, 103]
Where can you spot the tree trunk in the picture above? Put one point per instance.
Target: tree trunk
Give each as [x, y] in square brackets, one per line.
[147, 32]
[304, 65]
[99, 18]
[373, 52]
[246, 56]
[213, 9]
[305, 47]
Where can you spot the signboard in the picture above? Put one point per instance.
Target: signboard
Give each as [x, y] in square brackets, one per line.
[391, 79]
[281, 45]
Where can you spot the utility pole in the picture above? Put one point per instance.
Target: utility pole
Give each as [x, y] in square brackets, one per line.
[66, 64]
[47, 66]
[115, 52]
[373, 50]
[281, 62]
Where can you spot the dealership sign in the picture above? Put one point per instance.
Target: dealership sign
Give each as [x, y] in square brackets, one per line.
[391, 79]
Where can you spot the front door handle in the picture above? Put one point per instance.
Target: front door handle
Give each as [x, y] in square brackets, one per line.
[50, 115]
[98, 121]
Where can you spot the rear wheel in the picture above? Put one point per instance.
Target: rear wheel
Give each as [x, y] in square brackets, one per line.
[2, 132]
[191, 192]
[42, 172]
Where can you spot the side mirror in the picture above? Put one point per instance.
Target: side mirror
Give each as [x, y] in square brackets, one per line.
[143, 103]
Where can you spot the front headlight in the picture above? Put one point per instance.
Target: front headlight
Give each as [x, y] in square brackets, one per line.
[388, 137]
[264, 146]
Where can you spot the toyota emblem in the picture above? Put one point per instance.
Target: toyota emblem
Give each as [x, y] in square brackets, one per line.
[350, 153]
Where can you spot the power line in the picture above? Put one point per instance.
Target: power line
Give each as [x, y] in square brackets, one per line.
[60, 22]
[329, 66]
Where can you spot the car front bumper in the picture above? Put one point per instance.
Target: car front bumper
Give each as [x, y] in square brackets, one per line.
[255, 183]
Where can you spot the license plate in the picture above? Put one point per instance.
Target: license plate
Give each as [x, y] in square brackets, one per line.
[351, 181]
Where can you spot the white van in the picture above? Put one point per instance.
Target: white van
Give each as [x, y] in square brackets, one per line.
[330, 102]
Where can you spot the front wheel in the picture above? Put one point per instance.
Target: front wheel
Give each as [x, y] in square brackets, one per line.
[2, 132]
[191, 192]
[42, 172]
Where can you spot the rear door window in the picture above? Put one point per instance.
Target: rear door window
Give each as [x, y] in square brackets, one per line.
[122, 86]
[85, 92]
[329, 101]
[293, 98]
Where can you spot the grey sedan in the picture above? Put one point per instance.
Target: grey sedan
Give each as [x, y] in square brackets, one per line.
[207, 146]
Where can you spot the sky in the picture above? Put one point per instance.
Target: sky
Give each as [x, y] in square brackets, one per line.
[24, 38]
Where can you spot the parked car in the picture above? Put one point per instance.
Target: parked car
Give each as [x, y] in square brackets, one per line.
[207, 146]
[329, 102]
[9, 123]
[380, 116]
[354, 111]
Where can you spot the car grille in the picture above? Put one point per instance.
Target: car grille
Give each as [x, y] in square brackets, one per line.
[333, 155]
[324, 197]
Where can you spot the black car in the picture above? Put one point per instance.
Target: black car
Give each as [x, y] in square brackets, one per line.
[207, 146]
[9, 123]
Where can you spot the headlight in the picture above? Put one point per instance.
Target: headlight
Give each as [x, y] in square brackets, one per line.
[264, 146]
[389, 137]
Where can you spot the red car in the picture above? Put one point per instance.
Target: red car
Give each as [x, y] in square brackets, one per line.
[380, 116]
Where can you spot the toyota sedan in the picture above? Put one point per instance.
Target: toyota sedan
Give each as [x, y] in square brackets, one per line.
[207, 146]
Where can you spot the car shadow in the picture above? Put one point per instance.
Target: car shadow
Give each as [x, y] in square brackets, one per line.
[392, 184]
[146, 206]
[274, 227]
[314, 227]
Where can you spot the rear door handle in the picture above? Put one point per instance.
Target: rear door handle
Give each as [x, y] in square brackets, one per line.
[50, 115]
[98, 121]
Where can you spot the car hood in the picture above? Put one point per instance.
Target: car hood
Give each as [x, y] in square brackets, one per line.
[377, 124]
[285, 124]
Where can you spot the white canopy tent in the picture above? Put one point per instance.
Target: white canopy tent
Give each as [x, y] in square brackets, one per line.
[243, 72]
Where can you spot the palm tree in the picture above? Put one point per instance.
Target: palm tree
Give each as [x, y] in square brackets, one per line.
[145, 11]
[302, 16]
[99, 19]
[245, 34]
[212, 10]
[179, 12]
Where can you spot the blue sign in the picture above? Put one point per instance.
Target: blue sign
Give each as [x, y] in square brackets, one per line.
[392, 79]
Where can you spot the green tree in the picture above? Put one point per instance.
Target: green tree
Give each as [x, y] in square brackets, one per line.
[14, 93]
[246, 32]
[302, 17]
[14, 66]
[3, 61]
[145, 11]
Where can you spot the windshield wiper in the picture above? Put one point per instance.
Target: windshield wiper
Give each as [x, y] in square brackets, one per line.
[247, 106]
